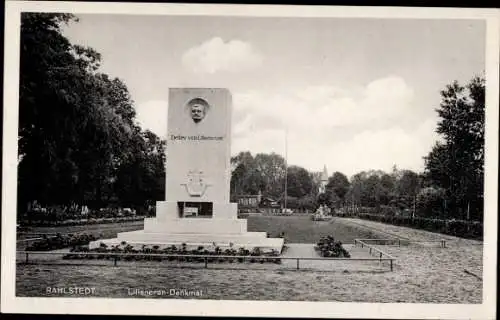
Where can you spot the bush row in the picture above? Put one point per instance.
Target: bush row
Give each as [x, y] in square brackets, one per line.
[145, 254]
[60, 241]
[76, 222]
[458, 228]
[329, 248]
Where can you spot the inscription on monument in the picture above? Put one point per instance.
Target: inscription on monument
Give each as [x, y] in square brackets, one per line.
[174, 137]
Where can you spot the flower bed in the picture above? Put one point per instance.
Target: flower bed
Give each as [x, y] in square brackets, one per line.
[328, 248]
[146, 253]
[60, 241]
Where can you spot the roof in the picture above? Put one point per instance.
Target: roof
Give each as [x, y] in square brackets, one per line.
[324, 174]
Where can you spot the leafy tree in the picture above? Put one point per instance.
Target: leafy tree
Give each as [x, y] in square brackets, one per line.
[299, 182]
[407, 187]
[457, 164]
[76, 125]
[430, 201]
[339, 185]
[387, 192]
[245, 178]
[272, 170]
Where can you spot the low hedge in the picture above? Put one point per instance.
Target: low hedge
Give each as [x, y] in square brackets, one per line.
[458, 228]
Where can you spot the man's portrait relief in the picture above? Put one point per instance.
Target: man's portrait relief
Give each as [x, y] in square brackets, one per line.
[198, 109]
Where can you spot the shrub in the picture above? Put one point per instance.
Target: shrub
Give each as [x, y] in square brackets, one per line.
[60, 241]
[328, 247]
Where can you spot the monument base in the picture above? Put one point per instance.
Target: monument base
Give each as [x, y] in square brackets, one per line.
[195, 232]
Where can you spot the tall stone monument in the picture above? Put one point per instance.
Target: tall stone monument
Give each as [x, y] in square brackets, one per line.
[197, 210]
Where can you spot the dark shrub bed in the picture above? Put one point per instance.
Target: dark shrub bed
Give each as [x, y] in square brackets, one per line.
[146, 253]
[458, 228]
[60, 241]
[329, 248]
[44, 222]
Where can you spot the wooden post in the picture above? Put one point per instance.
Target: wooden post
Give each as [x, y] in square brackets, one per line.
[298, 263]
[27, 254]
[380, 256]
[399, 242]
[206, 262]
[370, 250]
[391, 264]
[115, 260]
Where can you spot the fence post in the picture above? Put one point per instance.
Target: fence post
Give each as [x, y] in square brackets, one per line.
[391, 264]
[115, 260]
[399, 242]
[370, 250]
[27, 254]
[206, 262]
[380, 256]
[298, 263]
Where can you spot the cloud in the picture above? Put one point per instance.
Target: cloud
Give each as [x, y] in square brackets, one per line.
[216, 55]
[348, 130]
[373, 127]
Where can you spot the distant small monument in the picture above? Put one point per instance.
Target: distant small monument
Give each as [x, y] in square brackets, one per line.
[197, 210]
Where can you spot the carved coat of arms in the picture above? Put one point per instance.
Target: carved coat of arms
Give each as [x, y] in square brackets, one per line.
[196, 183]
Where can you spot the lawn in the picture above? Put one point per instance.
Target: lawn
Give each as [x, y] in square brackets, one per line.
[301, 229]
[298, 229]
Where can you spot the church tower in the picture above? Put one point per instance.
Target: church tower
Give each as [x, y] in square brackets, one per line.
[323, 181]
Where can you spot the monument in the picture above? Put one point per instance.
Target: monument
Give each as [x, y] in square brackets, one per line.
[197, 210]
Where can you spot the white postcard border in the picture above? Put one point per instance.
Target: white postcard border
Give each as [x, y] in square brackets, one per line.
[10, 303]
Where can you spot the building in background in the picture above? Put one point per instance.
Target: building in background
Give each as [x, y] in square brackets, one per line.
[324, 180]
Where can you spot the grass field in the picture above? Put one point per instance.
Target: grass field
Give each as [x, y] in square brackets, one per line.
[421, 274]
[301, 229]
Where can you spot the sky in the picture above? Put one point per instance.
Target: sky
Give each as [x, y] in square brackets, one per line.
[350, 93]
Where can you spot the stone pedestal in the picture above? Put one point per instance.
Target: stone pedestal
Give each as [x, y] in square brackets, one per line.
[198, 173]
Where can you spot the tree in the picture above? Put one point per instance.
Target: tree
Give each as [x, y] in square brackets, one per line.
[430, 201]
[339, 185]
[299, 182]
[272, 170]
[407, 188]
[245, 177]
[387, 192]
[457, 164]
[51, 111]
[76, 125]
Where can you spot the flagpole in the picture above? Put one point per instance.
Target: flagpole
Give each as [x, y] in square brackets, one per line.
[286, 166]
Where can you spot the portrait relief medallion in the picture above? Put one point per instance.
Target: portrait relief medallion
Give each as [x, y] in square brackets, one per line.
[197, 109]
